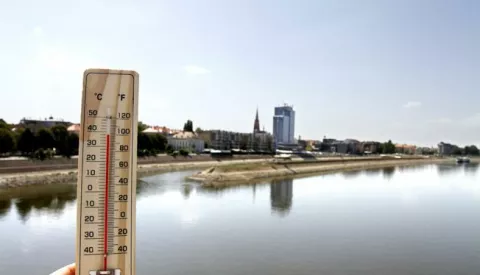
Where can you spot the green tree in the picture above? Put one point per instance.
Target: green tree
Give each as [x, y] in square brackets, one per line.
[471, 150]
[188, 126]
[141, 126]
[16, 137]
[42, 154]
[457, 151]
[184, 152]
[72, 145]
[380, 148]
[26, 142]
[4, 124]
[243, 144]
[169, 149]
[7, 141]
[159, 142]
[144, 144]
[198, 130]
[388, 147]
[60, 135]
[44, 139]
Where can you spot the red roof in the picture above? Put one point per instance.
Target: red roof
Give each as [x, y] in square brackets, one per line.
[74, 128]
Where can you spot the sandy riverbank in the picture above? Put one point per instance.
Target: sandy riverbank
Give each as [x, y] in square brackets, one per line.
[218, 177]
[70, 176]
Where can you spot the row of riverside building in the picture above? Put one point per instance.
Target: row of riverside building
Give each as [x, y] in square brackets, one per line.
[258, 140]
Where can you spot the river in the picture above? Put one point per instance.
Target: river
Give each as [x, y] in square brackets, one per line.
[404, 220]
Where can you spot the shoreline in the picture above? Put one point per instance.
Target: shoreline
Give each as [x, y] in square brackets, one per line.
[296, 167]
[215, 177]
[69, 176]
[26, 165]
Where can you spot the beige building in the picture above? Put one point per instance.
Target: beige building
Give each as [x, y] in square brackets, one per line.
[226, 140]
[186, 140]
[405, 149]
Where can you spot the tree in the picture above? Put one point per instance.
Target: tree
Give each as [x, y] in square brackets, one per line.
[7, 141]
[72, 145]
[26, 142]
[184, 152]
[159, 142]
[3, 124]
[243, 142]
[198, 130]
[471, 150]
[144, 144]
[457, 151]
[141, 126]
[44, 139]
[169, 149]
[16, 137]
[188, 126]
[60, 135]
[380, 148]
[388, 147]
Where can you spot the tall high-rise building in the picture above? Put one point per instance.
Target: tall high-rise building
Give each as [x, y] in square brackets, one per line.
[284, 125]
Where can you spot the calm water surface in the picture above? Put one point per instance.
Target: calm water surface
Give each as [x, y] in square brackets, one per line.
[418, 220]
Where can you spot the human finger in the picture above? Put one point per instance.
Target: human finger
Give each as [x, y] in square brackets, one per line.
[66, 270]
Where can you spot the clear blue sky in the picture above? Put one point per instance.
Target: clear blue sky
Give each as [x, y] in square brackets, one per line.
[371, 70]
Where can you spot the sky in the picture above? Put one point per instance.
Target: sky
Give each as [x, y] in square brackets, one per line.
[370, 70]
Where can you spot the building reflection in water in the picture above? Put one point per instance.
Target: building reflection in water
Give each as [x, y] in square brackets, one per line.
[445, 169]
[388, 172]
[352, 174]
[281, 195]
[372, 171]
[471, 168]
[186, 191]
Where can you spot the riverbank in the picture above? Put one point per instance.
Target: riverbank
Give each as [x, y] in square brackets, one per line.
[227, 171]
[230, 175]
[25, 165]
[69, 176]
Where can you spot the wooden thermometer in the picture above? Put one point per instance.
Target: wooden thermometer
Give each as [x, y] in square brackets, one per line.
[107, 164]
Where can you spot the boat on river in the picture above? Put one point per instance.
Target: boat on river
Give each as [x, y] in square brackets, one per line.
[463, 160]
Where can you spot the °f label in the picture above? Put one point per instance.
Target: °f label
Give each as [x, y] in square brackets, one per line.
[107, 173]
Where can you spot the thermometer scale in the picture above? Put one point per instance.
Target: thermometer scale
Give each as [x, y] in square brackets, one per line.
[107, 166]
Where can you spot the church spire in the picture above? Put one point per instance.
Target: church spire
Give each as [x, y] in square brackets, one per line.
[256, 125]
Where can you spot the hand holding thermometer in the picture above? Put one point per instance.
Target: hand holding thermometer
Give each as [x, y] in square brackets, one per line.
[107, 166]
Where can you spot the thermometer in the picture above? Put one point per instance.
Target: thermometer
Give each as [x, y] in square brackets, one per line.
[107, 164]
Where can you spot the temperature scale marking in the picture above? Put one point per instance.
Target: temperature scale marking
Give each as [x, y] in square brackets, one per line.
[107, 173]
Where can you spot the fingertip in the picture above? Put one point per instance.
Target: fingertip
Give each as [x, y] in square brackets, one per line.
[71, 268]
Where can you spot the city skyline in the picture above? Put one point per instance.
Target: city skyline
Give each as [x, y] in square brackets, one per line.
[262, 128]
[257, 130]
[399, 70]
